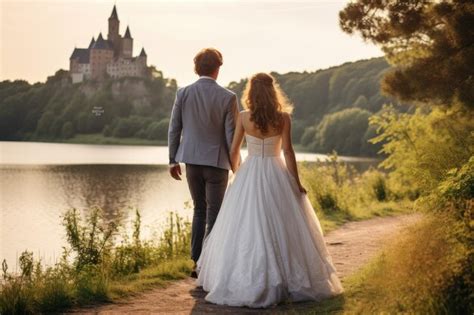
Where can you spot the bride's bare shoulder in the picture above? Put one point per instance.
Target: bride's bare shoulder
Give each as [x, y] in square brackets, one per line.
[244, 113]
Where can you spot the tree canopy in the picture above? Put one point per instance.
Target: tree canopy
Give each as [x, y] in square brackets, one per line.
[430, 42]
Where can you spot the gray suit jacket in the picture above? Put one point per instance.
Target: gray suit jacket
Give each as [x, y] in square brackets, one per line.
[202, 124]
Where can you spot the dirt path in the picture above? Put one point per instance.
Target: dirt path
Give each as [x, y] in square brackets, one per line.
[351, 246]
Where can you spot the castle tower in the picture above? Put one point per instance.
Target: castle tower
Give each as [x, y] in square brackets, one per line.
[114, 24]
[142, 57]
[100, 55]
[127, 44]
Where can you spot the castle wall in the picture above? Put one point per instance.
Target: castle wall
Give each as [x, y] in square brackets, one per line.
[98, 62]
[126, 68]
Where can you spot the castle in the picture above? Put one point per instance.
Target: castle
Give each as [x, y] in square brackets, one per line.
[111, 57]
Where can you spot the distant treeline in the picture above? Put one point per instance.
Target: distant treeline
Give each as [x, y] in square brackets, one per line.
[332, 107]
[57, 109]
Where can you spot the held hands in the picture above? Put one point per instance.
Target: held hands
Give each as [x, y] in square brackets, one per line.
[175, 171]
[302, 189]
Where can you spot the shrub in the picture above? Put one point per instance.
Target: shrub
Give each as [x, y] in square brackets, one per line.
[426, 271]
[89, 269]
[158, 130]
[67, 130]
[90, 241]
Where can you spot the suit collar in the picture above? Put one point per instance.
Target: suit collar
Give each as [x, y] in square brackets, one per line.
[206, 79]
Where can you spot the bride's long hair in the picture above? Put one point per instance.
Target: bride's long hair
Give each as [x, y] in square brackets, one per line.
[266, 102]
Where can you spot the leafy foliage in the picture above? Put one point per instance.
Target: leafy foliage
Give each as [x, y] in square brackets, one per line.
[422, 148]
[339, 193]
[58, 110]
[330, 104]
[429, 154]
[431, 42]
[94, 267]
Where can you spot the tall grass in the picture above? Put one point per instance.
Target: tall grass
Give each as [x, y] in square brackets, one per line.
[339, 193]
[425, 271]
[429, 269]
[93, 267]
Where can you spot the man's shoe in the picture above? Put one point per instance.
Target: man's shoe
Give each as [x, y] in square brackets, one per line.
[194, 272]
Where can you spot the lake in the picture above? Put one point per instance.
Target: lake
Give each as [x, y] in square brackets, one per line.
[40, 181]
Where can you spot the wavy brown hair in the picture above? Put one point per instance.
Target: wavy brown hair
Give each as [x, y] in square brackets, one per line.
[207, 61]
[266, 102]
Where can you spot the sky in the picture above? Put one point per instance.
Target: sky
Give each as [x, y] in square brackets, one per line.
[38, 37]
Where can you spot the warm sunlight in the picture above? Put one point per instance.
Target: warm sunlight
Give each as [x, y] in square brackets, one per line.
[236, 156]
[38, 37]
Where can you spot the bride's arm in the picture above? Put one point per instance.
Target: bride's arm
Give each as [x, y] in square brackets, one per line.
[236, 144]
[289, 152]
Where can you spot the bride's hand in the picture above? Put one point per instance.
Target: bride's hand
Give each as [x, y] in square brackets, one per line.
[302, 189]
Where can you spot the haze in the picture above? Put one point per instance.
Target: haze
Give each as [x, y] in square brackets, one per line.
[38, 37]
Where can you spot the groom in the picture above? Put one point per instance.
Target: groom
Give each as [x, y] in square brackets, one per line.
[200, 135]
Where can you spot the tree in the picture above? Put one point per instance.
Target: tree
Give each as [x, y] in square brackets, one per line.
[342, 131]
[67, 130]
[430, 42]
[158, 130]
[45, 123]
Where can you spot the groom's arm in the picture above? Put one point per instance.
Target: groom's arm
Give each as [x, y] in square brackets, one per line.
[175, 128]
[230, 119]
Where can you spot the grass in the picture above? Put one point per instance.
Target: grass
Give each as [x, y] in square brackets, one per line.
[94, 268]
[151, 277]
[425, 271]
[340, 194]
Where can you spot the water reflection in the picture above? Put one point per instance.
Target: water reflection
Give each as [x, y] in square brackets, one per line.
[33, 198]
[40, 181]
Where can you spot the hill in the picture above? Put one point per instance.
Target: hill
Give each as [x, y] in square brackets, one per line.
[332, 108]
[60, 111]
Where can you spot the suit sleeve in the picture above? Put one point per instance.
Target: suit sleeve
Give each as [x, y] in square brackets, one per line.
[175, 128]
[230, 118]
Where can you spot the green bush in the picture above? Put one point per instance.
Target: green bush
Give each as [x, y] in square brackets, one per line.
[342, 131]
[93, 268]
[339, 193]
[90, 241]
[67, 130]
[158, 130]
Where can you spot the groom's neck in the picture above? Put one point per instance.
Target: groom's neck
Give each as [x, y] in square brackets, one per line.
[214, 75]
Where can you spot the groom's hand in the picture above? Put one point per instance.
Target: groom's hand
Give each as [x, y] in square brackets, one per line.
[175, 171]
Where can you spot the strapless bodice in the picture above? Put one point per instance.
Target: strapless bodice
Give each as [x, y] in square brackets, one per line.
[268, 147]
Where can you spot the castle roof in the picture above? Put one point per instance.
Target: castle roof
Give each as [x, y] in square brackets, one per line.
[114, 14]
[92, 43]
[101, 43]
[143, 53]
[127, 33]
[82, 54]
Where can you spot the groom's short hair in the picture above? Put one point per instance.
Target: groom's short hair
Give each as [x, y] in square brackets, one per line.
[207, 61]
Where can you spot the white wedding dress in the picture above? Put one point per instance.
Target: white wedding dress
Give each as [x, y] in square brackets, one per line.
[266, 245]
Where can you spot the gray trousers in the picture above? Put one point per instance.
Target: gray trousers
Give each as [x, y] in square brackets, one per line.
[207, 185]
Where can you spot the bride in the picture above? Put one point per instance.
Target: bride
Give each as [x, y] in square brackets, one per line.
[267, 244]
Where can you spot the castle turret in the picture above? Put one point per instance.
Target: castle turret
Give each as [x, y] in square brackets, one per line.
[127, 44]
[92, 42]
[142, 58]
[114, 24]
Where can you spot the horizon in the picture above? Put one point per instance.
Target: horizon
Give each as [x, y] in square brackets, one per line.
[180, 32]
